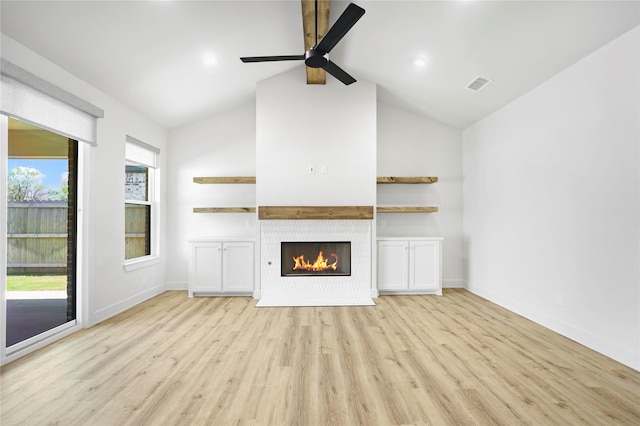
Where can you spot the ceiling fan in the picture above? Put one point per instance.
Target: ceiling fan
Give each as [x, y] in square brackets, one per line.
[318, 55]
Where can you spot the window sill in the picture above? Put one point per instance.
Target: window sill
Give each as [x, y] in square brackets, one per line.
[140, 262]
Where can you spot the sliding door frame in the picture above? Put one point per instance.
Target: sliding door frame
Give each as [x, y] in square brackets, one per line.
[4, 157]
[82, 250]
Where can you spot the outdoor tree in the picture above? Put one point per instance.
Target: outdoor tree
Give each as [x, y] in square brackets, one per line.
[61, 194]
[25, 184]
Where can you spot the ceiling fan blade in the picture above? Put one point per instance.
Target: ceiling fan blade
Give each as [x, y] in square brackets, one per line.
[272, 58]
[338, 73]
[349, 17]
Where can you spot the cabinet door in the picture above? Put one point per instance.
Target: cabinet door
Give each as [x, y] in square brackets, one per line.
[424, 267]
[393, 264]
[205, 272]
[238, 266]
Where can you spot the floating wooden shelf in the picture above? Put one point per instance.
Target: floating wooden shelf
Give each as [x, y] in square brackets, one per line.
[407, 209]
[406, 179]
[315, 212]
[224, 209]
[225, 179]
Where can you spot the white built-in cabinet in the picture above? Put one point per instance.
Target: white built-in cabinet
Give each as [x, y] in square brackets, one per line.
[220, 267]
[410, 265]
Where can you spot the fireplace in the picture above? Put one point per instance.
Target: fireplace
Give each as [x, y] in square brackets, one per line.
[315, 258]
[352, 288]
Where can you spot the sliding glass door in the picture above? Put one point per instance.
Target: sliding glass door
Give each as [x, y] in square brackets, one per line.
[41, 191]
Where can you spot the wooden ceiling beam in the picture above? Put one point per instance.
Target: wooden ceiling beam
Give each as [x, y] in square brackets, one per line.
[315, 75]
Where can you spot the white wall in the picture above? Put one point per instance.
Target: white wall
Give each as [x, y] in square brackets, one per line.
[299, 125]
[410, 145]
[110, 289]
[552, 202]
[223, 145]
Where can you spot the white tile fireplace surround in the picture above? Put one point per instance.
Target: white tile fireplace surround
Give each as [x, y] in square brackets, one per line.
[276, 290]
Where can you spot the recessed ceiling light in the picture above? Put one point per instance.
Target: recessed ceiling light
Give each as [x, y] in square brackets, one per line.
[209, 59]
[420, 62]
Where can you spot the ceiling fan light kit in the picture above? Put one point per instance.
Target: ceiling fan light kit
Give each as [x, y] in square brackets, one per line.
[318, 55]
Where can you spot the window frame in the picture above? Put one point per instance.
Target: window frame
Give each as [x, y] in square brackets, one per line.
[152, 201]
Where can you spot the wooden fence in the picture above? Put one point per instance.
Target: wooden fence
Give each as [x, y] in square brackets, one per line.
[136, 218]
[37, 237]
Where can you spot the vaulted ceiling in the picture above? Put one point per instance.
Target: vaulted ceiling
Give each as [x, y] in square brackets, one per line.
[177, 61]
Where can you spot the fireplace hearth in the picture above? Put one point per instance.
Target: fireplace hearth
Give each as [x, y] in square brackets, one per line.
[302, 288]
[315, 258]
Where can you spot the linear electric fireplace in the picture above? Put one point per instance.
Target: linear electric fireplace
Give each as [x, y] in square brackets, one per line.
[354, 289]
[315, 258]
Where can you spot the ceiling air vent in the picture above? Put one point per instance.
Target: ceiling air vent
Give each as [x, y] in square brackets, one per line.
[478, 84]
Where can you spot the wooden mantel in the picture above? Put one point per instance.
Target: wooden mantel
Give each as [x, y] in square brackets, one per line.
[315, 212]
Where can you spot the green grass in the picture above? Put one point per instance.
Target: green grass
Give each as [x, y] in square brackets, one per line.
[36, 282]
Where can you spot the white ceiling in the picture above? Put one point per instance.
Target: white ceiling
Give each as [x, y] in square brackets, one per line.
[148, 54]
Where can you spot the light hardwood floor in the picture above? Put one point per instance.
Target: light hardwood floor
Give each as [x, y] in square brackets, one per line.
[455, 359]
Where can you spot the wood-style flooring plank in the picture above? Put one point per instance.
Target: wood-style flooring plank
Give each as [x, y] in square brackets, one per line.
[428, 360]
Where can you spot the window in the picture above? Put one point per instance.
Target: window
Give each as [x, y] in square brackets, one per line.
[139, 205]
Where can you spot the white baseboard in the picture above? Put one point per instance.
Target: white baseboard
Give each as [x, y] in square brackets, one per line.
[105, 313]
[453, 283]
[584, 337]
[176, 285]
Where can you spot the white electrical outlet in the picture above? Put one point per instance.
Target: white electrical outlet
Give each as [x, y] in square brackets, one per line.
[324, 169]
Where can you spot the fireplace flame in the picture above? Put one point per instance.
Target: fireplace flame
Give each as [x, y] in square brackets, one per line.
[321, 263]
